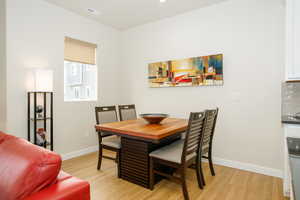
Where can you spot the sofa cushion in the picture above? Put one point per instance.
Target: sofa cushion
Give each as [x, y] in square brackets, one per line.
[25, 168]
[67, 188]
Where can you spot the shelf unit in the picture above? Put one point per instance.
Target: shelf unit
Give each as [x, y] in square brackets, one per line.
[35, 119]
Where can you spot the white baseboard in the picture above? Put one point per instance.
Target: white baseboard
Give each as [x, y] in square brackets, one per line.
[219, 161]
[80, 152]
[249, 167]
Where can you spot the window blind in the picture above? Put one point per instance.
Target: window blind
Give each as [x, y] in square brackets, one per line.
[80, 51]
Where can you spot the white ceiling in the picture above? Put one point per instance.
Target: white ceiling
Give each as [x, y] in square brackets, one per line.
[123, 14]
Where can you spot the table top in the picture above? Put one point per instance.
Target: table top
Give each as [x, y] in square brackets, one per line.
[141, 129]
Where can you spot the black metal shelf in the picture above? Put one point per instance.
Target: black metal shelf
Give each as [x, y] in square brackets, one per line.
[35, 119]
[41, 119]
[39, 92]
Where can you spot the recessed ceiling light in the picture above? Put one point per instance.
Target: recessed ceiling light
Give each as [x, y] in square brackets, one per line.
[162, 1]
[93, 11]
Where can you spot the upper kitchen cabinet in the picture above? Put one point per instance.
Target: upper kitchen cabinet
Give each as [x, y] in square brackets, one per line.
[293, 40]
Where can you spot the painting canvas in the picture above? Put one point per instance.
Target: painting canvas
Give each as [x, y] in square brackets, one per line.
[198, 71]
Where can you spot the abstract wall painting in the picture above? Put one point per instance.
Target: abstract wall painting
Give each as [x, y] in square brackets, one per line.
[198, 71]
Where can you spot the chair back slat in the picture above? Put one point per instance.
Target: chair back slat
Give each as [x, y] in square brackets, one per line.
[192, 144]
[195, 129]
[106, 114]
[193, 138]
[193, 135]
[191, 151]
[206, 140]
[127, 112]
[208, 129]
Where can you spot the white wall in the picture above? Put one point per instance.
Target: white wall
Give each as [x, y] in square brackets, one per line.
[35, 38]
[2, 65]
[250, 34]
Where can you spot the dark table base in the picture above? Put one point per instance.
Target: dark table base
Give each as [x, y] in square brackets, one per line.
[135, 159]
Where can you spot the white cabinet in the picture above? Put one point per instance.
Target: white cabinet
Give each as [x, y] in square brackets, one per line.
[293, 40]
[289, 131]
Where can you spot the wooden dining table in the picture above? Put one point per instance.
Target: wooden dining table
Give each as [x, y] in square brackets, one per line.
[138, 139]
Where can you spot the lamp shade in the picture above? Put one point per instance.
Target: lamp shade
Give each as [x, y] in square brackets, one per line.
[43, 80]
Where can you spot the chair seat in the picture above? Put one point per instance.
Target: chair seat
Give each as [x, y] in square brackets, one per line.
[171, 152]
[112, 141]
[105, 134]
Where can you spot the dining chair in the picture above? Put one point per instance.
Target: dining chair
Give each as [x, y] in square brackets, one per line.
[107, 114]
[207, 140]
[127, 112]
[180, 154]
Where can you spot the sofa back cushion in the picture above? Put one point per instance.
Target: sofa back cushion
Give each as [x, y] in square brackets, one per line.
[25, 168]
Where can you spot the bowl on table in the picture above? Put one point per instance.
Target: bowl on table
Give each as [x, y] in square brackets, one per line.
[154, 118]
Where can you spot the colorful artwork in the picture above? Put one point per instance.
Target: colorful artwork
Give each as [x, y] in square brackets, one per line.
[205, 70]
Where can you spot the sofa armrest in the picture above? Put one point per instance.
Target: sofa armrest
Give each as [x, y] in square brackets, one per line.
[69, 189]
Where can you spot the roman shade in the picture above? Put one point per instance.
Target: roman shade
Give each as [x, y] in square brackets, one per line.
[80, 51]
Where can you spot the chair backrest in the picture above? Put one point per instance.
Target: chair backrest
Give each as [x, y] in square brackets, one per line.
[208, 129]
[106, 114]
[127, 112]
[193, 136]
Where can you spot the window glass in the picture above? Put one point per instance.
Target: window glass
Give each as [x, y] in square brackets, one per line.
[80, 82]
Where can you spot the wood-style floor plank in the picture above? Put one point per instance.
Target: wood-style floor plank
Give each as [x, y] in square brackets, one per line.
[228, 184]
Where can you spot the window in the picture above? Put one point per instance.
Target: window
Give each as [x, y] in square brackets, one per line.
[80, 71]
[80, 81]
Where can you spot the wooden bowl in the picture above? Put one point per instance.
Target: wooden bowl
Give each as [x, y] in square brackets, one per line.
[154, 118]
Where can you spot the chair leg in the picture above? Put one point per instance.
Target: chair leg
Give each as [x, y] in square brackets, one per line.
[211, 166]
[199, 176]
[151, 174]
[184, 187]
[100, 157]
[201, 171]
[100, 151]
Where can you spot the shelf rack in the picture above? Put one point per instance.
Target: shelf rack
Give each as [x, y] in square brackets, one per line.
[43, 119]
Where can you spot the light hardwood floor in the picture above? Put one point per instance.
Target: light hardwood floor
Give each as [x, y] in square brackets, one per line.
[228, 184]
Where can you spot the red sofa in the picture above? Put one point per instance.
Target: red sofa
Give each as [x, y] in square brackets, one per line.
[33, 173]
